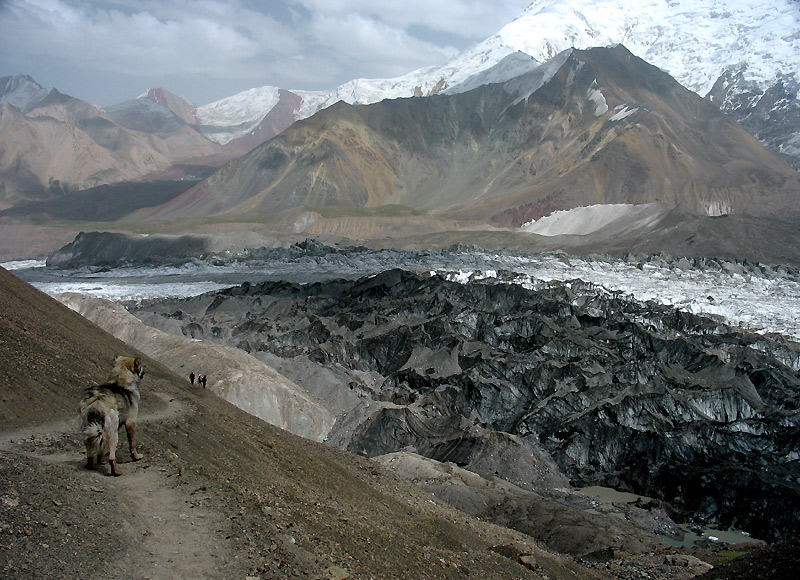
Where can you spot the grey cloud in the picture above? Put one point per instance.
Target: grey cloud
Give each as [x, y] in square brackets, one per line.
[208, 49]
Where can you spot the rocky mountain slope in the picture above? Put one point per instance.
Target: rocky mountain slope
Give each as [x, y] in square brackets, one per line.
[222, 494]
[749, 66]
[219, 493]
[235, 376]
[55, 143]
[21, 91]
[591, 127]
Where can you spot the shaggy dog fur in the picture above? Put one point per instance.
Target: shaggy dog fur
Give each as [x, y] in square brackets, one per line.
[107, 407]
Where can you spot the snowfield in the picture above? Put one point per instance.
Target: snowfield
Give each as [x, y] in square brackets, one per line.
[585, 220]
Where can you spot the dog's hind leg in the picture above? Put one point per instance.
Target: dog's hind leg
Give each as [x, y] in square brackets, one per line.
[92, 450]
[130, 429]
[93, 438]
[112, 453]
[112, 436]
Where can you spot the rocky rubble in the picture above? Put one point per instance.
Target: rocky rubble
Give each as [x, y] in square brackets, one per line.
[565, 383]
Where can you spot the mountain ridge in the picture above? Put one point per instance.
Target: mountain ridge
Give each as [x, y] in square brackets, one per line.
[55, 144]
[604, 127]
[348, 181]
[754, 42]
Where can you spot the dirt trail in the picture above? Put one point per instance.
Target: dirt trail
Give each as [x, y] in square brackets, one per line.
[172, 532]
[180, 538]
[173, 408]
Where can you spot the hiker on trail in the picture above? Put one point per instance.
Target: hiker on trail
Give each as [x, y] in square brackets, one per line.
[191, 377]
[203, 380]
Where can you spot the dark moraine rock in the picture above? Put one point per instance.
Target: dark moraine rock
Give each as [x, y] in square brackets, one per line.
[531, 384]
[107, 249]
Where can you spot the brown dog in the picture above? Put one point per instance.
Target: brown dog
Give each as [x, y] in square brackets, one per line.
[107, 407]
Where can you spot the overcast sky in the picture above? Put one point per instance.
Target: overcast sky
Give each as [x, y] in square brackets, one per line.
[111, 51]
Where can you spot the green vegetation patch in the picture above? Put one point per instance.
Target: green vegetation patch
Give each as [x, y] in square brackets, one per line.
[390, 210]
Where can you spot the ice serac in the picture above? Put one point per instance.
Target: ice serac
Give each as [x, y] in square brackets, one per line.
[232, 374]
[530, 381]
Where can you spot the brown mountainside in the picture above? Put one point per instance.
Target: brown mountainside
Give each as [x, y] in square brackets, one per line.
[43, 154]
[178, 105]
[605, 128]
[65, 144]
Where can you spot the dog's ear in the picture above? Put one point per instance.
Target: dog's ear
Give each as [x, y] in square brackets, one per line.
[138, 367]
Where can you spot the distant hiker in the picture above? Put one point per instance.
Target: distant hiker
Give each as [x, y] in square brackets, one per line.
[191, 377]
[203, 380]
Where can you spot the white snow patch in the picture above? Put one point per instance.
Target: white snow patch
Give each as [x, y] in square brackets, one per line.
[466, 276]
[717, 207]
[585, 220]
[599, 100]
[622, 112]
[234, 116]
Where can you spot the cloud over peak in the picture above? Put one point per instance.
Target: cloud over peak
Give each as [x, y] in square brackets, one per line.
[208, 49]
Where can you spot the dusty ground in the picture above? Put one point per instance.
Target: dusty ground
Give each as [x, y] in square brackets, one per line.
[54, 507]
[219, 493]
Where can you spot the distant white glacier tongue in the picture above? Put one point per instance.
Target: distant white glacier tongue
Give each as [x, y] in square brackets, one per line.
[760, 298]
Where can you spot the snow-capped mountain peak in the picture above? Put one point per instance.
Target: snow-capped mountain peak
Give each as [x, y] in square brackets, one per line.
[242, 107]
[693, 40]
[696, 41]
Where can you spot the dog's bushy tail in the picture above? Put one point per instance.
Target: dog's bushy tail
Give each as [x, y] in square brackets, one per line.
[94, 433]
[99, 430]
